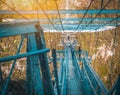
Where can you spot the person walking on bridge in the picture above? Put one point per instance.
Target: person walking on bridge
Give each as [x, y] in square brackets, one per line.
[79, 52]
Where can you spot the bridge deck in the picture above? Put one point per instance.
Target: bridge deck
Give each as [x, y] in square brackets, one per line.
[76, 85]
[73, 81]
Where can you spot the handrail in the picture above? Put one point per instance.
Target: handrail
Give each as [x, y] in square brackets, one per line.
[116, 87]
[61, 72]
[63, 90]
[96, 77]
[79, 72]
[77, 65]
[89, 79]
[18, 56]
[65, 68]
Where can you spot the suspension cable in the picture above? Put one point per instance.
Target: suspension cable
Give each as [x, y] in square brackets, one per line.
[37, 13]
[98, 13]
[114, 19]
[101, 4]
[59, 15]
[101, 25]
[84, 16]
[50, 40]
[46, 15]
[15, 10]
[96, 42]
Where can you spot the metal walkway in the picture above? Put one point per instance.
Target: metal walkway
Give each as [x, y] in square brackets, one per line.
[74, 86]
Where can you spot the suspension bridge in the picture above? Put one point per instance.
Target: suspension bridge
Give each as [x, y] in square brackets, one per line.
[71, 78]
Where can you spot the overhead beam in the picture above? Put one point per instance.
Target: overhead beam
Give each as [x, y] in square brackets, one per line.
[75, 26]
[16, 24]
[61, 12]
[78, 29]
[68, 20]
[81, 25]
[79, 19]
[7, 30]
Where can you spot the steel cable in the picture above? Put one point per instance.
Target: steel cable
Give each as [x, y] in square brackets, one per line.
[46, 15]
[59, 15]
[98, 13]
[14, 10]
[84, 16]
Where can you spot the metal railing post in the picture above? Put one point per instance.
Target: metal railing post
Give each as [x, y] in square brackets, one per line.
[47, 82]
[33, 77]
[55, 70]
[1, 77]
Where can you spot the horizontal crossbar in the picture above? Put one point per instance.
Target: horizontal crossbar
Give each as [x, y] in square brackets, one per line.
[78, 19]
[81, 25]
[61, 12]
[18, 56]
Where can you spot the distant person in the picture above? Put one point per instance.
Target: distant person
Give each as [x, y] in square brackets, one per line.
[79, 52]
[68, 38]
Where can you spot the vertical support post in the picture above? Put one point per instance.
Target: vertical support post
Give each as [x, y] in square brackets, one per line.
[118, 87]
[47, 82]
[33, 78]
[65, 70]
[61, 73]
[1, 78]
[55, 70]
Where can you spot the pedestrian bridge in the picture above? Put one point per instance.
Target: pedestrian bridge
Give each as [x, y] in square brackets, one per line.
[70, 79]
[75, 76]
